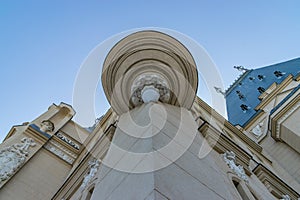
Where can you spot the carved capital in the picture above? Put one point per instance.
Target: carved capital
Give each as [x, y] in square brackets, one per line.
[149, 81]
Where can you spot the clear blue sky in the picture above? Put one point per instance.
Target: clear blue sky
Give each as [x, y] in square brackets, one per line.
[43, 43]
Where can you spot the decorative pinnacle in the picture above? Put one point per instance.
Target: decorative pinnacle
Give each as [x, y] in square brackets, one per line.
[241, 68]
[219, 90]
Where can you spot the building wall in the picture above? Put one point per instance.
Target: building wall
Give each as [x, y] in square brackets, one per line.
[40, 178]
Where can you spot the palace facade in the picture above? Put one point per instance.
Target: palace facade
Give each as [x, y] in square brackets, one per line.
[159, 140]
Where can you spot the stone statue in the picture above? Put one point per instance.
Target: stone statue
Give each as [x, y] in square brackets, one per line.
[229, 158]
[47, 126]
[94, 166]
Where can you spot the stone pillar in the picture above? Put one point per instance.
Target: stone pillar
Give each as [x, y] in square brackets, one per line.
[154, 155]
[150, 80]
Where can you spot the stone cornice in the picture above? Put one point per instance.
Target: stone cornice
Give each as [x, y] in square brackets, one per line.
[35, 132]
[267, 99]
[228, 125]
[253, 119]
[221, 143]
[282, 114]
[106, 121]
[273, 182]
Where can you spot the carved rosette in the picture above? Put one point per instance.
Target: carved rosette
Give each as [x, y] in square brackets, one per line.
[13, 157]
[146, 81]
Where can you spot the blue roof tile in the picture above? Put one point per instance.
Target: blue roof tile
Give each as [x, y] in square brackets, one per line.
[247, 87]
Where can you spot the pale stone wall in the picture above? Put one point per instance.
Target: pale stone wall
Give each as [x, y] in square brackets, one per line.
[40, 178]
[286, 161]
[188, 177]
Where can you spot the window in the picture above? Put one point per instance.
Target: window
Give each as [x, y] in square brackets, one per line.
[261, 90]
[278, 74]
[89, 194]
[251, 78]
[241, 96]
[243, 190]
[260, 77]
[244, 107]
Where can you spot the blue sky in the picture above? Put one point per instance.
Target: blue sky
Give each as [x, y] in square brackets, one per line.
[43, 43]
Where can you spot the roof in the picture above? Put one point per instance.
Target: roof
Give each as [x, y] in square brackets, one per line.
[242, 96]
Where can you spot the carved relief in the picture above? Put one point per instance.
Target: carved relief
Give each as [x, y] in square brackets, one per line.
[13, 157]
[257, 130]
[229, 158]
[93, 168]
[47, 126]
[61, 151]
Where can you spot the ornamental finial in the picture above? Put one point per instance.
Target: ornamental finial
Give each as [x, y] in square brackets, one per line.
[241, 68]
[219, 90]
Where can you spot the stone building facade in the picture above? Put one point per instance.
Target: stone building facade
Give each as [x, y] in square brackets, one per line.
[159, 140]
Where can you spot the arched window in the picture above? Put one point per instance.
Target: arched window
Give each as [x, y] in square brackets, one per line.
[89, 194]
[243, 190]
[261, 90]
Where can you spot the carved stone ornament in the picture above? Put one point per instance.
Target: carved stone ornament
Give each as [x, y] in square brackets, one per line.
[13, 157]
[146, 81]
[241, 68]
[93, 168]
[229, 158]
[257, 130]
[219, 90]
[47, 126]
[285, 197]
[61, 151]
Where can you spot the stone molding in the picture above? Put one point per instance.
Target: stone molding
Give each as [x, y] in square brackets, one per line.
[279, 117]
[60, 151]
[149, 52]
[221, 143]
[272, 92]
[273, 183]
[284, 117]
[213, 115]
